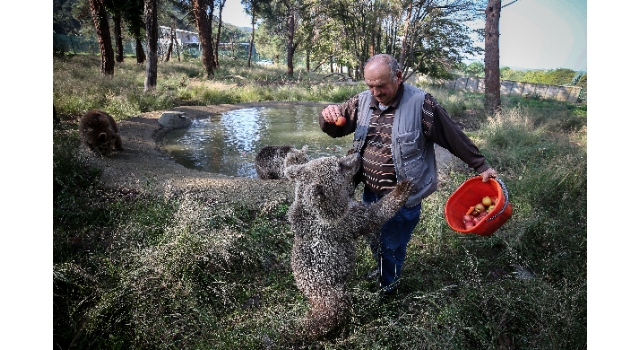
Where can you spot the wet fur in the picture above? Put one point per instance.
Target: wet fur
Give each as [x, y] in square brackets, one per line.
[326, 222]
[270, 160]
[99, 132]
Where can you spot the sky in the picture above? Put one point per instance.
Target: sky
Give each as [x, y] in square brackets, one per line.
[534, 34]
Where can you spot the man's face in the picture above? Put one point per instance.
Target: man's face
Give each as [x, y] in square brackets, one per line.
[377, 75]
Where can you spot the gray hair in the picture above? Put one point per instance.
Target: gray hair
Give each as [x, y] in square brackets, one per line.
[391, 61]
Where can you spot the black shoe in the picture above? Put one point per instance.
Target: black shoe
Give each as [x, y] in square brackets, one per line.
[385, 296]
[391, 289]
[389, 292]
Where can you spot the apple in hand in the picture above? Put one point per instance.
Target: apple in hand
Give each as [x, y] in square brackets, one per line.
[341, 121]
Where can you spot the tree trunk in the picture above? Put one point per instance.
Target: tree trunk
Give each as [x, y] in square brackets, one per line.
[203, 22]
[372, 39]
[104, 37]
[151, 25]
[117, 33]
[140, 56]
[291, 47]
[172, 38]
[167, 57]
[215, 55]
[492, 57]
[253, 31]
[403, 49]
[175, 40]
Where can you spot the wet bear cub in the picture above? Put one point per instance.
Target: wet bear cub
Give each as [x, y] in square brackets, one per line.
[326, 221]
[270, 160]
[99, 132]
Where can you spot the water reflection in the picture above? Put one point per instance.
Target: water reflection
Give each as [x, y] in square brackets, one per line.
[227, 143]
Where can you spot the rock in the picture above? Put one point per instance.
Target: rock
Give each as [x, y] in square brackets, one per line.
[174, 120]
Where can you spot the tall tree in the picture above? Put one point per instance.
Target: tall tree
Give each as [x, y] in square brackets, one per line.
[64, 21]
[203, 12]
[250, 8]
[435, 36]
[116, 8]
[132, 13]
[217, 44]
[140, 55]
[292, 11]
[101, 24]
[492, 57]
[353, 19]
[172, 40]
[291, 28]
[151, 25]
[283, 18]
[117, 33]
[315, 38]
[407, 23]
[269, 43]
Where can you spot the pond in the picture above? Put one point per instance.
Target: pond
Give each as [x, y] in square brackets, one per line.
[228, 143]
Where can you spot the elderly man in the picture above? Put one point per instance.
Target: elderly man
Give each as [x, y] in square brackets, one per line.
[395, 127]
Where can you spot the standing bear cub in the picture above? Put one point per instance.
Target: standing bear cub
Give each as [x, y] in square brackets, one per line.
[99, 132]
[270, 160]
[326, 221]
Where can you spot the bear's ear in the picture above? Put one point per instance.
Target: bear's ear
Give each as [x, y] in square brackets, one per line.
[350, 164]
[305, 148]
[291, 172]
[290, 159]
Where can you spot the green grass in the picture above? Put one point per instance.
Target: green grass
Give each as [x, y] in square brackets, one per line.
[135, 271]
[78, 86]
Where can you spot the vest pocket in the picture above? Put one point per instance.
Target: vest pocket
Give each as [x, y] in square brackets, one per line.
[411, 152]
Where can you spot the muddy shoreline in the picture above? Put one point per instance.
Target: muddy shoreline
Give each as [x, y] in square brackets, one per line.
[145, 167]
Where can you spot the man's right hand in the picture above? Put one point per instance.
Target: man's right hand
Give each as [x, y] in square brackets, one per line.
[331, 114]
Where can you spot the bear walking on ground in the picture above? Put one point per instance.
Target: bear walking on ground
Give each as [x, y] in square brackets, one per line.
[99, 132]
[326, 221]
[270, 160]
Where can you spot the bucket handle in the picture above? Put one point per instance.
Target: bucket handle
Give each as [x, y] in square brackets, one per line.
[506, 201]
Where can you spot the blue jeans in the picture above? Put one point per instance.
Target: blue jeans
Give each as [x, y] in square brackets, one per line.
[389, 248]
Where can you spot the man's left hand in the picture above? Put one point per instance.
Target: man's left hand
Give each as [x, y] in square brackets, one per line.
[489, 173]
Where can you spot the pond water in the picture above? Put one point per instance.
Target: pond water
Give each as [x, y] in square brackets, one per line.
[228, 143]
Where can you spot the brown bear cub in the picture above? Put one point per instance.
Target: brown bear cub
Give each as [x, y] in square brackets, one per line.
[99, 132]
[270, 160]
[326, 221]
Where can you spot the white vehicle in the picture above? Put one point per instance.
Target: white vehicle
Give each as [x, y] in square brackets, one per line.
[265, 62]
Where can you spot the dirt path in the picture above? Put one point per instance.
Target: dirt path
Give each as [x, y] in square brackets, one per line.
[144, 166]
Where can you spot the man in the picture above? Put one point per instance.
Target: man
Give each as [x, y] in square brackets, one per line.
[396, 127]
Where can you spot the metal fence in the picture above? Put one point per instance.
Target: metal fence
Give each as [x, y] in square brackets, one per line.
[76, 44]
[515, 88]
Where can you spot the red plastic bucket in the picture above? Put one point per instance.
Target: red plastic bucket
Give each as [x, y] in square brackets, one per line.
[471, 193]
